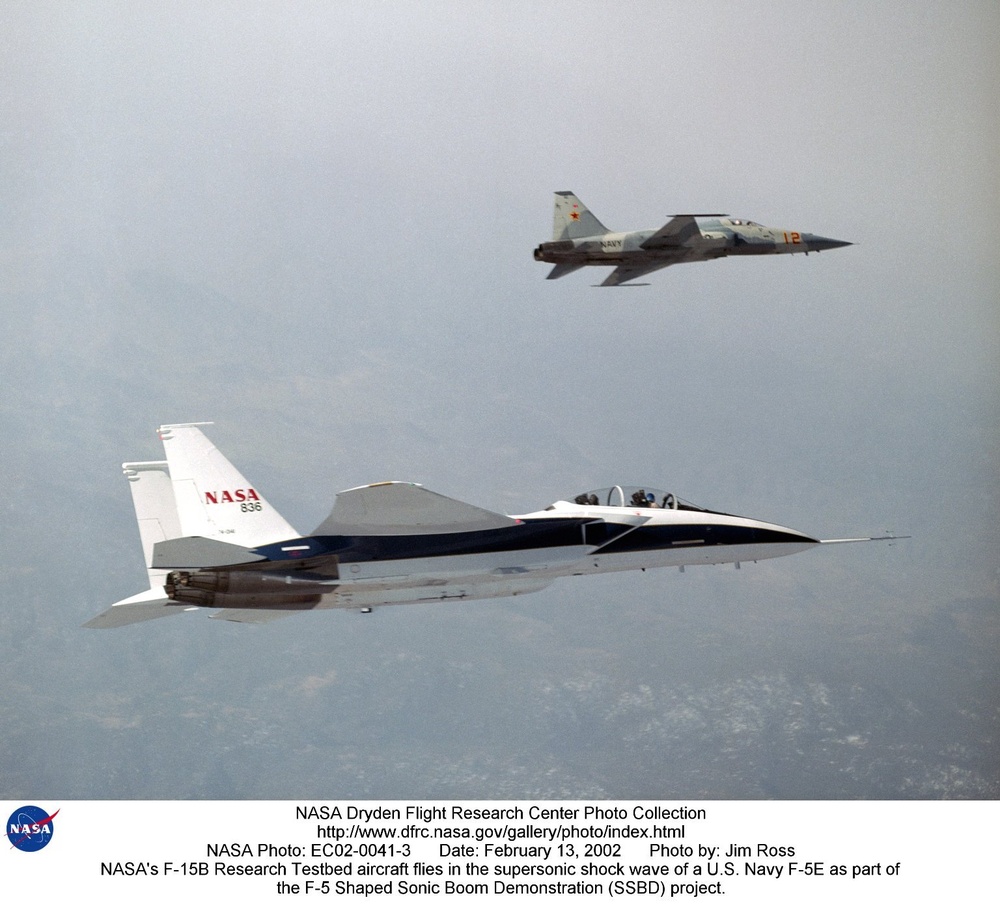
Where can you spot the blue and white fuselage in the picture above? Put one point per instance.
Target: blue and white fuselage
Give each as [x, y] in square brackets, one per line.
[205, 531]
[567, 539]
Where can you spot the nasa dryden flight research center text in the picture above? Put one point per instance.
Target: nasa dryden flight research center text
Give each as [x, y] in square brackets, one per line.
[643, 849]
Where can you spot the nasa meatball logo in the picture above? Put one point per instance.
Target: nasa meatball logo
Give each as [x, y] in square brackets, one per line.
[30, 828]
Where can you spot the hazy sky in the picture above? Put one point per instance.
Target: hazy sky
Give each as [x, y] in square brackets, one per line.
[313, 222]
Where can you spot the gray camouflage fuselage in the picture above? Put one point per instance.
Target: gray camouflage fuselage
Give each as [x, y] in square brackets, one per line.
[580, 239]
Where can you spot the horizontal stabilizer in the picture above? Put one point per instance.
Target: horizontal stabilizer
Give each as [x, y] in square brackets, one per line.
[195, 553]
[397, 508]
[142, 607]
[561, 270]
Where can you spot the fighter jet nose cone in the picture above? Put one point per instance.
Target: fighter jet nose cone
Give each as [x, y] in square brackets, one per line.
[822, 243]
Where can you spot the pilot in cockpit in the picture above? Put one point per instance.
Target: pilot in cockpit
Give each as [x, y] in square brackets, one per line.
[641, 498]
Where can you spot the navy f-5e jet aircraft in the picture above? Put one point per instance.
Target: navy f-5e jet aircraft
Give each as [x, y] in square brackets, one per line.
[211, 540]
[580, 239]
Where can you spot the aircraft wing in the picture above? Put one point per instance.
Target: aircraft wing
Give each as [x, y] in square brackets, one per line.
[626, 272]
[677, 232]
[397, 508]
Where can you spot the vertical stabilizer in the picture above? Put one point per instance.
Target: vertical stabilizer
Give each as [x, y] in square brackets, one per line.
[213, 499]
[155, 510]
[572, 220]
[156, 513]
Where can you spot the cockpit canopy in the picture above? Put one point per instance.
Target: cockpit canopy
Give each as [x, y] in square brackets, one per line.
[734, 222]
[635, 495]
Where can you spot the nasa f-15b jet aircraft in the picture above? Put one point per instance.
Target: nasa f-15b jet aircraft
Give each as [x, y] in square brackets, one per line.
[579, 239]
[211, 540]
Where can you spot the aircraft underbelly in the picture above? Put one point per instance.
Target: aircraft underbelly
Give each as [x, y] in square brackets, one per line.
[759, 250]
[640, 257]
[518, 578]
[352, 595]
[469, 576]
[692, 555]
